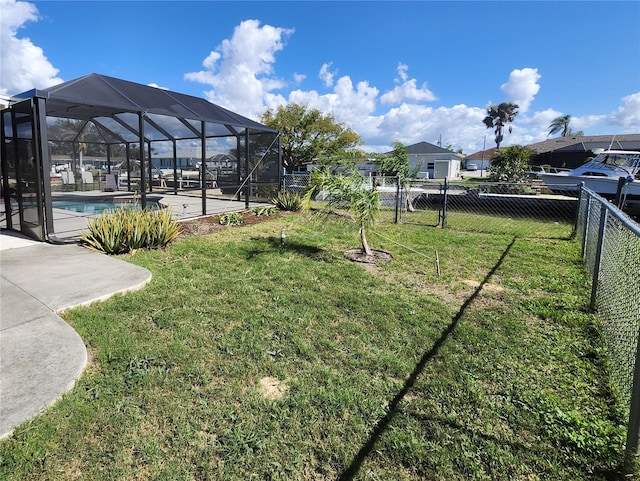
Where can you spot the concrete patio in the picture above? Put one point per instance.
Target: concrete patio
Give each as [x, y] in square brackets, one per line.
[41, 356]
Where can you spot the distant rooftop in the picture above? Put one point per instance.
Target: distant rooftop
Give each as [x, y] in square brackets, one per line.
[586, 143]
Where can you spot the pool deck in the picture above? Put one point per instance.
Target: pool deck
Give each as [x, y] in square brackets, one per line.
[70, 225]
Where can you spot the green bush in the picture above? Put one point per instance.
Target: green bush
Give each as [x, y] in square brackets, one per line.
[124, 229]
[510, 164]
[231, 218]
[266, 210]
[288, 201]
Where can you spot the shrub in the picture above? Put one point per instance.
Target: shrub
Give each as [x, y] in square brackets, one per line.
[510, 164]
[288, 201]
[265, 210]
[231, 218]
[124, 229]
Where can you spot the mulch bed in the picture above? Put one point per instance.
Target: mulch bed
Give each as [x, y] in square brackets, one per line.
[211, 223]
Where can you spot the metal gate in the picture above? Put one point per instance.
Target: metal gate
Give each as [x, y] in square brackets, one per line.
[23, 169]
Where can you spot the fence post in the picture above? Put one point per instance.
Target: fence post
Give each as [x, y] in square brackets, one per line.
[445, 200]
[595, 275]
[396, 218]
[581, 195]
[633, 427]
[587, 215]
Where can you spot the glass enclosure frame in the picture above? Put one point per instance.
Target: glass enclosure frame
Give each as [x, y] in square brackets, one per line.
[135, 127]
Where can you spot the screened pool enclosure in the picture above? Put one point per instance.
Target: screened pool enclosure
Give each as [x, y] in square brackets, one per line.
[103, 138]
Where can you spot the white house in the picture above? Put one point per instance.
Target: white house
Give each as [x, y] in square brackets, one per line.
[425, 161]
[481, 159]
[432, 161]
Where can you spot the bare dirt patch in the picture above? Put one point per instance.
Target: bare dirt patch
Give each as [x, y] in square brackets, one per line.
[487, 287]
[272, 388]
[377, 256]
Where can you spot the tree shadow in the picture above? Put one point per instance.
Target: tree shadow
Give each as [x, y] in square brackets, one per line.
[384, 422]
[262, 245]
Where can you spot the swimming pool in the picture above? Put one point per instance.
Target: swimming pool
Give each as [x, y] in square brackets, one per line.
[98, 206]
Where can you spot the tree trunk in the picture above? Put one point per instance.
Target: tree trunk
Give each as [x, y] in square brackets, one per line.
[410, 207]
[365, 245]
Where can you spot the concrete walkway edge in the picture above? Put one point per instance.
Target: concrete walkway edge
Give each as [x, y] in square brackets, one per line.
[41, 356]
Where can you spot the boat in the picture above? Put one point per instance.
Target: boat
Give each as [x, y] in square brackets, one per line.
[601, 174]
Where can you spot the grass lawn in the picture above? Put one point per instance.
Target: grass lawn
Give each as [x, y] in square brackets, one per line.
[244, 359]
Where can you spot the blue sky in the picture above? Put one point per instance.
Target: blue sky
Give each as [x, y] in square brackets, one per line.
[392, 71]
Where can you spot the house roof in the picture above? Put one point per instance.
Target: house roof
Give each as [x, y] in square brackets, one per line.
[586, 143]
[114, 104]
[479, 155]
[427, 148]
[583, 143]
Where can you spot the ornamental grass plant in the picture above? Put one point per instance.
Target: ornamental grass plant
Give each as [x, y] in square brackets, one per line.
[128, 228]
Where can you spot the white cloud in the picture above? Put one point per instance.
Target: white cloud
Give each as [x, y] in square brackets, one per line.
[536, 125]
[325, 75]
[249, 87]
[155, 85]
[460, 125]
[628, 114]
[407, 90]
[402, 71]
[241, 73]
[239, 69]
[346, 103]
[522, 87]
[211, 60]
[23, 65]
[592, 121]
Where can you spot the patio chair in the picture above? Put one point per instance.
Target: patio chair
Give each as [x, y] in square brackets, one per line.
[68, 179]
[87, 178]
[110, 183]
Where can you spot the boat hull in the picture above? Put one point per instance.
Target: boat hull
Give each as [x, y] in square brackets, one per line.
[606, 186]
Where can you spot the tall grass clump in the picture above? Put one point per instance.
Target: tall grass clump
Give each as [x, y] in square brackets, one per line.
[287, 201]
[124, 229]
[265, 210]
[231, 218]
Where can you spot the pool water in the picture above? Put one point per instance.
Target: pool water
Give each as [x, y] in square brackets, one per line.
[96, 208]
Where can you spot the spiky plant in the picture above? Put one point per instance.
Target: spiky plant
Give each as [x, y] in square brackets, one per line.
[346, 191]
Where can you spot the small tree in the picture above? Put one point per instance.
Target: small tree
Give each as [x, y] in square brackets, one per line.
[510, 164]
[396, 163]
[346, 191]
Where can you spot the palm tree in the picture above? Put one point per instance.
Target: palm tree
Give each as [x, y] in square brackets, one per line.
[499, 116]
[346, 191]
[561, 124]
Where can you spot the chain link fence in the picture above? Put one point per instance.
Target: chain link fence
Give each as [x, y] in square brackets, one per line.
[523, 209]
[609, 238]
[611, 250]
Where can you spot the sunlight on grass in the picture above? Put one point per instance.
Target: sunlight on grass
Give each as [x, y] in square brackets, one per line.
[181, 371]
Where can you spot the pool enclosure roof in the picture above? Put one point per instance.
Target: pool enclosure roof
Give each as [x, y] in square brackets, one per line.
[115, 107]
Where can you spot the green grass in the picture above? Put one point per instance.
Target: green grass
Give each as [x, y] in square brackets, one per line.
[387, 372]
